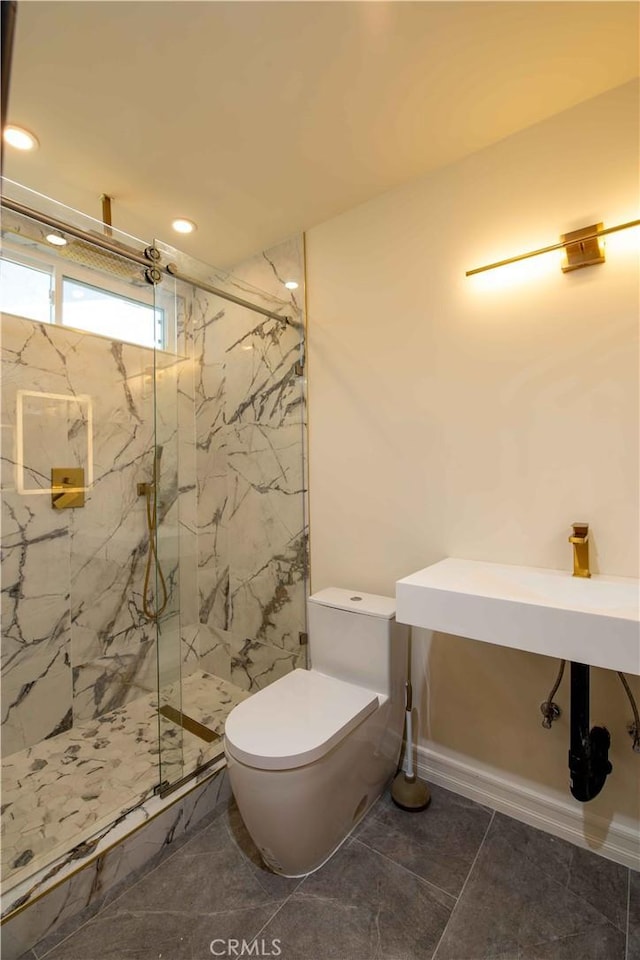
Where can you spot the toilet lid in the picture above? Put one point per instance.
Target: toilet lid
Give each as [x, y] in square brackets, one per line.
[296, 720]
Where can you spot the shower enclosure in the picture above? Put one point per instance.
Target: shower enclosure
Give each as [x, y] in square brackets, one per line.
[154, 531]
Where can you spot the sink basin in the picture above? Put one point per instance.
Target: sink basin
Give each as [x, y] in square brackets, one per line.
[593, 621]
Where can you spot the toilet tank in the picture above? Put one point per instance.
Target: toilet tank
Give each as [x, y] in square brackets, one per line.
[354, 636]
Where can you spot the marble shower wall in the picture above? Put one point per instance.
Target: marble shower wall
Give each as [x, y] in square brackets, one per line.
[251, 505]
[76, 641]
[232, 538]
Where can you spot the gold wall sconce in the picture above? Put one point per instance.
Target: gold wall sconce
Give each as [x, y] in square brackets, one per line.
[582, 248]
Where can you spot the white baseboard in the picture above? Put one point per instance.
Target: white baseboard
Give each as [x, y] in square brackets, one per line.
[619, 841]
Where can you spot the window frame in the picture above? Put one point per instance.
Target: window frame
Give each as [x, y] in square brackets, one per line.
[33, 263]
[61, 269]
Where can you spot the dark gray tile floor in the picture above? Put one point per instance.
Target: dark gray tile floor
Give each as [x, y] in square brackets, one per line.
[456, 882]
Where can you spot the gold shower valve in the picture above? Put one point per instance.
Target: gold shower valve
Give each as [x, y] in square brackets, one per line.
[67, 487]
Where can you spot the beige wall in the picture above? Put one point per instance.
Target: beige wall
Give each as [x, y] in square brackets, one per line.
[479, 417]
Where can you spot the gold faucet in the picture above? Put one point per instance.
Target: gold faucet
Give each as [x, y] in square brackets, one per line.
[580, 541]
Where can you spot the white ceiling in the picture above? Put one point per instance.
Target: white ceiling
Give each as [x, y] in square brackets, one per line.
[260, 119]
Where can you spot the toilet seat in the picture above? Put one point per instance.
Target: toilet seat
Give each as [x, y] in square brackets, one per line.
[296, 720]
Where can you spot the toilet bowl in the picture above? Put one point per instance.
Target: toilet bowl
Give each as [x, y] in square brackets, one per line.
[310, 753]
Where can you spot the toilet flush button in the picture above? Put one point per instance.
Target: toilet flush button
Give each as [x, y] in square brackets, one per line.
[355, 598]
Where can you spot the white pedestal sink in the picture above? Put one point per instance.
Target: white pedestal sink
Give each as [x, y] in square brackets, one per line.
[593, 621]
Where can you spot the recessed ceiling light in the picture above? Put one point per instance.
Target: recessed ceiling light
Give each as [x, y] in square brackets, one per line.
[183, 226]
[56, 239]
[19, 138]
[291, 285]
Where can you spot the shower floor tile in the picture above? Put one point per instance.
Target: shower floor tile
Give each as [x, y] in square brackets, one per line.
[58, 793]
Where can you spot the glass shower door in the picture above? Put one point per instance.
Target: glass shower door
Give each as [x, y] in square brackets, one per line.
[79, 651]
[232, 539]
[174, 572]
[146, 595]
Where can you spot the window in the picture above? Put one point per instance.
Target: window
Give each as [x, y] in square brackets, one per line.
[95, 310]
[25, 291]
[64, 293]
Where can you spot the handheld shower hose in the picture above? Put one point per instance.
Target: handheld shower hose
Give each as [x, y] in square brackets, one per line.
[151, 494]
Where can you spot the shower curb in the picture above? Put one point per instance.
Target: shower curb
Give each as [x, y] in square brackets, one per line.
[35, 918]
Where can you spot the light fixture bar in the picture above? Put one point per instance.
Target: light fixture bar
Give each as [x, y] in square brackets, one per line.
[562, 245]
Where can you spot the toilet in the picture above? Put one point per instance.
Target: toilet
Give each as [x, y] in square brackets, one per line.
[310, 753]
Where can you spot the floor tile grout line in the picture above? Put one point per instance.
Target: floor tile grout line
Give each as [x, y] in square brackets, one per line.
[127, 889]
[401, 866]
[41, 956]
[169, 856]
[578, 896]
[181, 913]
[234, 841]
[278, 909]
[140, 912]
[247, 859]
[464, 886]
[565, 938]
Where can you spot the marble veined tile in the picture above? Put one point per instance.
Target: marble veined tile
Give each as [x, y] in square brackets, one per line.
[209, 372]
[267, 272]
[262, 383]
[59, 792]
[109, 560]
[268, 603]
[251, 478]
[107, 683]
[74, 581]
[35, 357]
[255, 665]
[213, 329]
[109, 550]
[35, 620]
[213, 584]
[117, 859]
[169, 650]
[209, 699]
[268, 456]
[215, 651]
[190, 657]
[40, 709]
[266, 497]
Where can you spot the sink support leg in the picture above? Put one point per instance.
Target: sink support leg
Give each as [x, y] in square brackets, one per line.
[589, 750]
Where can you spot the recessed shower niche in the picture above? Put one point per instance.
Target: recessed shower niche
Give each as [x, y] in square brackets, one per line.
[51, 428]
